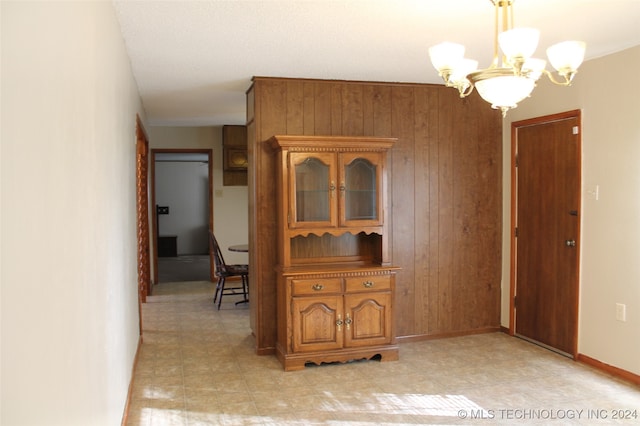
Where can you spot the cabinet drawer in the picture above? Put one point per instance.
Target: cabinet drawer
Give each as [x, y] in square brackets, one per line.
[318, 286]
[357, 284]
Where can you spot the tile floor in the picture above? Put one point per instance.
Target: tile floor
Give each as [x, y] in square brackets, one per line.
[197, 367]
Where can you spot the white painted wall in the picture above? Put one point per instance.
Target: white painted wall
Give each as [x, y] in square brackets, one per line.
[68, 227]
[606, 92]
[230, 203]
[183, 186]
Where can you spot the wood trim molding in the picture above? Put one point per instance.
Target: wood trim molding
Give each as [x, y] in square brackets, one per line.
[421, 337]
[312, 143]
[142, 214]
[125, 415]
[259, 78]
[512, 233]
[610, 369]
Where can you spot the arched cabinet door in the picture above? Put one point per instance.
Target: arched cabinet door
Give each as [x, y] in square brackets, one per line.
[360, 185]
[317, 323]
[313, 190]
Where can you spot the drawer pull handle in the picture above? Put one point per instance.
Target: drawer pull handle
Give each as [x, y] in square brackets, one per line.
[339, 323]
[317, 287]
[367, 284]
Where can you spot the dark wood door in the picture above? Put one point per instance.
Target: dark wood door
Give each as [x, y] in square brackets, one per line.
[548, 227]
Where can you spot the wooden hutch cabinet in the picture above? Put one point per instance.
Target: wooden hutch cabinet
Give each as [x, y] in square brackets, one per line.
[335, 284]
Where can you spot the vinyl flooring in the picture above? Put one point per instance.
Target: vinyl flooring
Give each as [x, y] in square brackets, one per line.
[197, 366]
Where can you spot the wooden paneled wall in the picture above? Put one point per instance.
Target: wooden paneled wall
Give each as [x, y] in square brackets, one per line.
[446, 195]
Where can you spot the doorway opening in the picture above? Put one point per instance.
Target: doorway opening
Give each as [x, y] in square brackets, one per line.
[182, 214]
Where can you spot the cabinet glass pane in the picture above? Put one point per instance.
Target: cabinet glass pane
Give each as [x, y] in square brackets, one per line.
[312, 191]
[360, 190]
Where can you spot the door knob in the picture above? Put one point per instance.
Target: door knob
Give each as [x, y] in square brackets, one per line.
[570, 243]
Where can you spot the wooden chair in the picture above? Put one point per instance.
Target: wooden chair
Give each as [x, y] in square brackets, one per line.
[224, 271]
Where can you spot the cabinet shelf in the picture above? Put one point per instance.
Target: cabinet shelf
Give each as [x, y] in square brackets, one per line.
[336, 232]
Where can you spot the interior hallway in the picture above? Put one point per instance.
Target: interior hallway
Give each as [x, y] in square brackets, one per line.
[197, 367]
[194, 267]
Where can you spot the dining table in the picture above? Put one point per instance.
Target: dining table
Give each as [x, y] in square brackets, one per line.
[243, 248]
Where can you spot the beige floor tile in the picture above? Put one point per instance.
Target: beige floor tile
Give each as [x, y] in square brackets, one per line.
[197, 366]
[200, 381]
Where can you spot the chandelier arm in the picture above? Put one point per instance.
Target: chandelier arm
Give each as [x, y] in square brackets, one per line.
[552, 78]
[468, 91]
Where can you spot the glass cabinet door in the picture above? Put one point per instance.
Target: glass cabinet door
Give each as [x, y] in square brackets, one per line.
[313, 190]
[360, 189]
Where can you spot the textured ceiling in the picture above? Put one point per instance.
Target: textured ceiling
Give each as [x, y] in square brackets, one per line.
[194, 60]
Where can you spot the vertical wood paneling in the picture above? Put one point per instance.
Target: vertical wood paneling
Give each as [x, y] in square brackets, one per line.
[490, 222]
[426, 101]
[352, 110]
[253, 117]
[295, 107]
[432, 215]
[382, 111]
[402, 202]
[368, 117]
[446, 266]
[323, 109]
[309, 109]
[336, 109]
[253, 214]
[273, 114]
[465, 199]
[445, 195]
[250, 105]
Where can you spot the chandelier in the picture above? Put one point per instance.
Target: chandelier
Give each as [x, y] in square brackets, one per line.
[509, 81]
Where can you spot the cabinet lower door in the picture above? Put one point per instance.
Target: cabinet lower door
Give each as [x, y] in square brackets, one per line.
[317, 323]
[368, 319]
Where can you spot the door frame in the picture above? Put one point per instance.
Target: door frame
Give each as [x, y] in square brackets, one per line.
[154, 224]
[577, 114]
[142, 213]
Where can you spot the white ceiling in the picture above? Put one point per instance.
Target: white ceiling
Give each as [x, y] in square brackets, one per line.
[194, 60]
